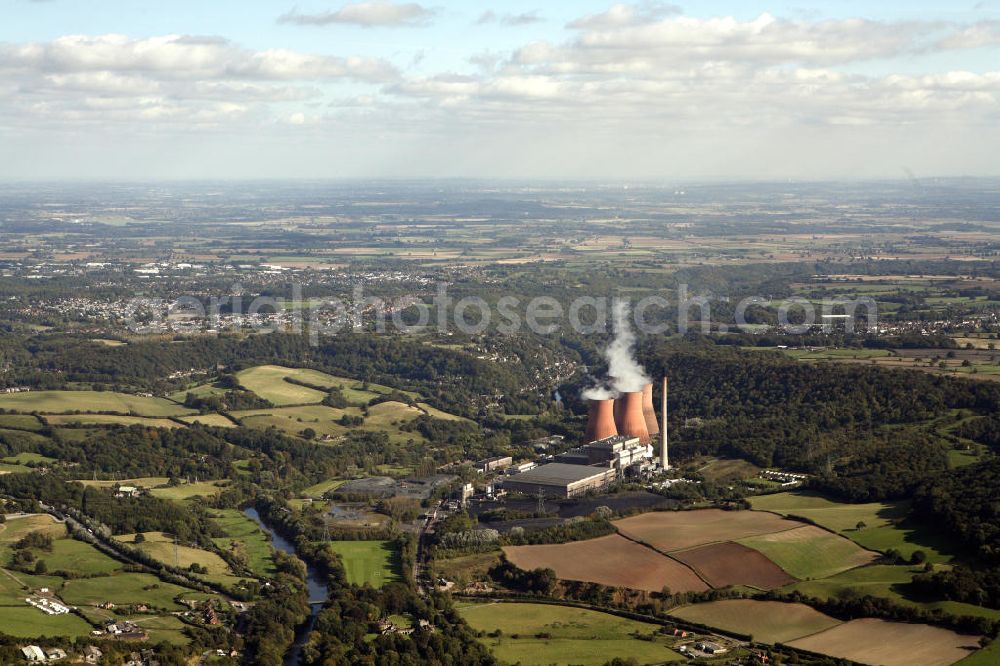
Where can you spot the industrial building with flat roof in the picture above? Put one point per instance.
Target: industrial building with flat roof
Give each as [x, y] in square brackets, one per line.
[561, 480]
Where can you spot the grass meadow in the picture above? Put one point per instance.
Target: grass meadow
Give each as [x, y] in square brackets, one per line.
[550, 634]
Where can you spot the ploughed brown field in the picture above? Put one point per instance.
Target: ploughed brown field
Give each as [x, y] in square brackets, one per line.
[678, 530]
[610, 560]
[871, 641]
[723, 564]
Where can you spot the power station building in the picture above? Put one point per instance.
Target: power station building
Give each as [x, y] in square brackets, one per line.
[619, 442]
[561, 480]
[630, 415]
[615, 451]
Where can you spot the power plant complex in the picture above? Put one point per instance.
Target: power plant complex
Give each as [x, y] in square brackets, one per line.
[620, 437]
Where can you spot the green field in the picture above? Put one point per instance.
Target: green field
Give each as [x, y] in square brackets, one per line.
[200, 390]
[217, 420]
[963, 458]
[20, 422]
[161, 547]
[123, 589]
[768, 621]
[163, 628]
[79, 557]
[885, 524]
[293, 420]
[368, 562]
[386, 417]
[61, 402]
[138, 482]
[110, 419]
[268, 381]
[323, 487]
[438, 414]
[15, 586]
[15, 528]
[185, 491]
[879, 580]
[810, 552]
[467, 568]
[576, 635]
[297, 407]
[25, 458]
[245, 538]
[888, 581]
[23, 621]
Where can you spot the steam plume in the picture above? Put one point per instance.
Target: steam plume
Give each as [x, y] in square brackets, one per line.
[624, 372]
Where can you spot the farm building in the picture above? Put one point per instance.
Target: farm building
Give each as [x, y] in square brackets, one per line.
[561, 480]
[33, 653]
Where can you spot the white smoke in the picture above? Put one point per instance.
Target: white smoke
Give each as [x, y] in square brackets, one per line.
[625, 375]
[599, 393]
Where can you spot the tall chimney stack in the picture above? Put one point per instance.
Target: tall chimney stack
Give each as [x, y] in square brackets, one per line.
[649, 411]
[628, 413]
[600, 420]
[664, 457]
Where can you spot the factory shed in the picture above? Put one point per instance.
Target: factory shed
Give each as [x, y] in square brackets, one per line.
[561, 480]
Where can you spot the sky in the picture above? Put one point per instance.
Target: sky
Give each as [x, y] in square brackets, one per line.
[647, 91]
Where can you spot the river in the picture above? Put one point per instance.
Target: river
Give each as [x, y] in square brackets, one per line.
[314, 584]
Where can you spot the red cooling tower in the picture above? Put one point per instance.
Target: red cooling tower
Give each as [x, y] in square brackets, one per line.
[628, 413]
[600, 420]
[648, 411]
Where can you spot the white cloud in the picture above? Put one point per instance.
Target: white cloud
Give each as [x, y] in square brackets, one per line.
[182, 57]
[509, 20]
[117, 82]
[622, 15]
[377, 13]
[632, 88]
[983, 33]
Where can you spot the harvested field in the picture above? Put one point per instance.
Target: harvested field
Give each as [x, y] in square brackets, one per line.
[610, 560]
[678, 530]
[725, 564]
[268, 381]
[871, 641]
[217, 420]
[768, 621]
[110, 419]
[62, 402]
[811, 552]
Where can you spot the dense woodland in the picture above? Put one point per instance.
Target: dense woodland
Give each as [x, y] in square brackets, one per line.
[966, 503]
[864, 432]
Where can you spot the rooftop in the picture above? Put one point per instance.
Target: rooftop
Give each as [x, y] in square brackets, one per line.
[559, 473]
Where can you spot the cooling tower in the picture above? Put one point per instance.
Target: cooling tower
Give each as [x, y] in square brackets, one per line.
[600, 420]
[628, 413]
[648, 410]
